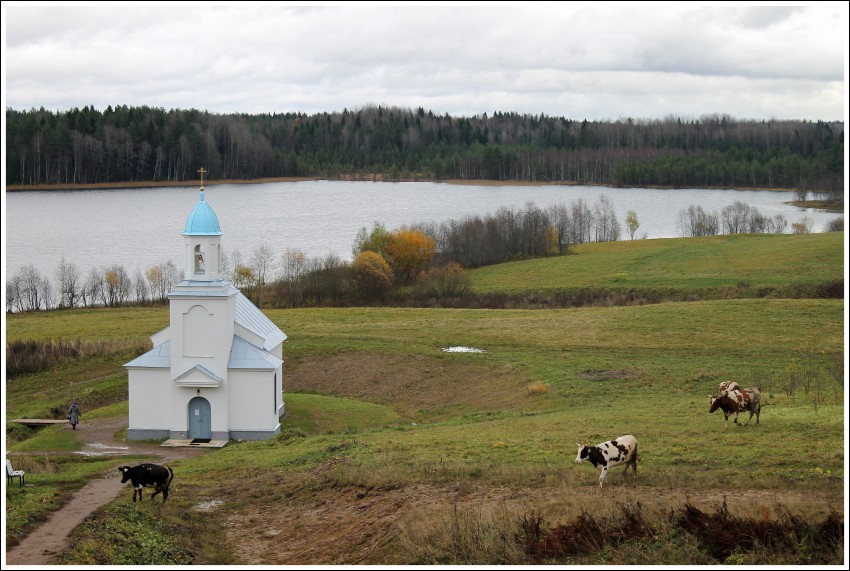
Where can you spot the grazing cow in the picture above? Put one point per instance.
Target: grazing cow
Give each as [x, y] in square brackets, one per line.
[755, 403]
[737, 401]
[148, 475]
[609, 454]
[727, 386]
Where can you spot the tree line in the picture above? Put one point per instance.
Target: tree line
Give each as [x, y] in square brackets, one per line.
[422, 263]
[126, 144]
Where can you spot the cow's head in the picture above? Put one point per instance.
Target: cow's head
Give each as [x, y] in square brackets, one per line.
[713, 403]
[583, 453]
[125, 473]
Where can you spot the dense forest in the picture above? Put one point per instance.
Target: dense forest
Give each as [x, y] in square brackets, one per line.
[123, 144]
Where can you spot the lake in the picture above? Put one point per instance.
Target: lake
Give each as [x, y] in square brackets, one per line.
[140, 228]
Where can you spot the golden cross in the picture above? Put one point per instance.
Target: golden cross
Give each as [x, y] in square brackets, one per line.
[202, 170]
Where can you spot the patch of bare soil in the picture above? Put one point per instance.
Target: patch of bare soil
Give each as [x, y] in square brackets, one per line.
[352, 526]
[50, 539]
[412, 383]
[612, 375]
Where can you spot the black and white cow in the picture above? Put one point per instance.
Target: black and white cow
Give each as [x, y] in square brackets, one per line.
[622, 450]
[737, 401]
[145, 475]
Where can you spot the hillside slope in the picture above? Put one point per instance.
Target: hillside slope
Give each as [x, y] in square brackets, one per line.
[726, 261]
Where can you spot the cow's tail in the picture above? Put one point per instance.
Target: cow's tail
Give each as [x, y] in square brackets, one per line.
[634, 460]
[166, 484]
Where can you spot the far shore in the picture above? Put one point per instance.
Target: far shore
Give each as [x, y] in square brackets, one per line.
[197, 183]
[361, 178]
[819, 204]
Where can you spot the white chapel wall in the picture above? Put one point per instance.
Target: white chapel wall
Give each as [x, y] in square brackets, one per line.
[148, 389]
[252, 401]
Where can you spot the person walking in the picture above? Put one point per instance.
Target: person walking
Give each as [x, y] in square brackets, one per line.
[74, 415]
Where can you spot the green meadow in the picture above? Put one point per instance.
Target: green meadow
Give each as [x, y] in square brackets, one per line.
[728, 261]
[472, 447]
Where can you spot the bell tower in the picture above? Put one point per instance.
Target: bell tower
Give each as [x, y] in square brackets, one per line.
[202, 242]
[203, 305]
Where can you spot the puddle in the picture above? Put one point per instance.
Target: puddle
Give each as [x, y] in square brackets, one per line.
[462, 350]
[101, 450]
[208, 506]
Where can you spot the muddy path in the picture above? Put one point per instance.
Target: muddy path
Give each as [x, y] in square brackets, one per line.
[44, 545]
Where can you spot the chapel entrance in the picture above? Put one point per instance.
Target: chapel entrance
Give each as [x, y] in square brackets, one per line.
[200, 418]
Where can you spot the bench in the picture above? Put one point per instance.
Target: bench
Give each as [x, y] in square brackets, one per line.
[39, 421]
[11, 474]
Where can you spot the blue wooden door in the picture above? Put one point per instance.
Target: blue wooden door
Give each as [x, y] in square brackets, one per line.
[200, 422]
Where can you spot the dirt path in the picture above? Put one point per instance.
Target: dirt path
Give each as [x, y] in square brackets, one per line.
[44, 545]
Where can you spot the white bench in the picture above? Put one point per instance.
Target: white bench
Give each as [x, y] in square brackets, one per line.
[11, 474]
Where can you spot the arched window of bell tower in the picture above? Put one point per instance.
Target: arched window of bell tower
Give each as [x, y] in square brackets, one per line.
[200, 268]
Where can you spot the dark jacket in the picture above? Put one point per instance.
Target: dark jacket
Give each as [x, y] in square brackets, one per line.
[74, 414]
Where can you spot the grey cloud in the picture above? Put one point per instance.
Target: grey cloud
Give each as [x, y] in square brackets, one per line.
[762, 17]
[596, 60]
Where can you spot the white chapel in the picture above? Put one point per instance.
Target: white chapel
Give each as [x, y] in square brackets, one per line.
[216, 372]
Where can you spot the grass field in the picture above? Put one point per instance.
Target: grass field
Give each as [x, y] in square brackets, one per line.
[394, 451]
[741, 260]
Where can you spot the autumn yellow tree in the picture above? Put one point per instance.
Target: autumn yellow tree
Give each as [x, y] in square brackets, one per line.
[116, 286]
[550, 240]
[372, 274]
[409, 252]
[155, 279]
[244, 277]
[632, 223]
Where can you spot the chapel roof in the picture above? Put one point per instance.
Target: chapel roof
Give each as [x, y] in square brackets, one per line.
[243, 355]
[157, 358]
[202, 220]
[251, 318]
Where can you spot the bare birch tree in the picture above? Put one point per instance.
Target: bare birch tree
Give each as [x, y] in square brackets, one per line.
[69, 281]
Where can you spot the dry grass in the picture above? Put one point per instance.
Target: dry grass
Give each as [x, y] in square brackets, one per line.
[536, 388]
[623, 535]
[32, 356]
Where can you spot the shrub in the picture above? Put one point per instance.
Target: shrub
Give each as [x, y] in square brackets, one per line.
[835, 225]
[446, 281]
[537, 388]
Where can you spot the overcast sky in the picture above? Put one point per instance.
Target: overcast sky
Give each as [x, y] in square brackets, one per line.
[595, 61]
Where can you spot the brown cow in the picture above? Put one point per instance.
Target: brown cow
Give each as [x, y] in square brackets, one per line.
[737, 401]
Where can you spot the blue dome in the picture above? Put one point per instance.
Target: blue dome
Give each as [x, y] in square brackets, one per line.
[202, 221]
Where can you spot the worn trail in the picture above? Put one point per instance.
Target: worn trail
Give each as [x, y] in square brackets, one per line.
[45, 544]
